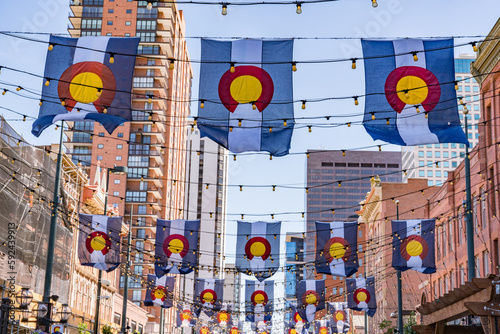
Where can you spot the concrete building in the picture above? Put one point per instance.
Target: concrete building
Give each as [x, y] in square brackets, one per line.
[153, 144]
[420, 161]
[353, 171]
[206, 199]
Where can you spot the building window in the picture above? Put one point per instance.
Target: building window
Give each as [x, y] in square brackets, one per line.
[120, 134]
[421, 173]
[117, 181]
[129, 11]
[119, 146]
[127, 34]
[136, 294]
[118, 157]
[117, 319]
[101, 134]
[99, 157]
[128, 23]
[111, 11]
[110, 23]
[116, 193]
[486, 263]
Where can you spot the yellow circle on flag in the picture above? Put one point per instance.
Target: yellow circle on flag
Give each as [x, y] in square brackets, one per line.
[98, 243]
[208, 297]
[223, 316]
[246, 89]
[258, 249]
[84, 86]
[361, 296]
[176, 246]
[337, 250]
[311, 299]
[339, 316]
[159, 294]
[414, 248]
[412, 90]
[259, 298]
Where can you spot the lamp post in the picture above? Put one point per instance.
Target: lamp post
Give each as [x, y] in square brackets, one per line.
[400, 288]
[125, 275]
[115, 170]
[471, 265]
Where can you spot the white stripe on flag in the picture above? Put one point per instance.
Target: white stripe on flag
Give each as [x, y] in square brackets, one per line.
[311, 308]
[413, 127]
[99, 259]
[259, 309]
[259, 229]
[209, 284]
[73, 116]
[91, 48]
[337, 266]
[100, 224]
[248, 136]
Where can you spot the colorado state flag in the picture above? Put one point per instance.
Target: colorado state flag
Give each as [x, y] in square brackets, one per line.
[160, 291]
[82, 76]
[340, 317]
[311, 298]
[259, 299]
[336, 248]
[99, 244]
[361, 294]
[245, 106]
[185, 317]
[208, 295]
[417, 98]
[258, 248]
[176, 246]
[413, 245]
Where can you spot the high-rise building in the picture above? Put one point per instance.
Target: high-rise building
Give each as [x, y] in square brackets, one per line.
[336, 182]
[205, 199]
[152, 145]
[420, 161]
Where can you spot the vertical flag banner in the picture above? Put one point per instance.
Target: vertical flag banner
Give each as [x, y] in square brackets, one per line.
[234, 330]
[340, 317]
[258, 248]
[99, 244]
[413, 245]
[208, 295]
[176, 246]
[322, 327]
[224, 317]
[361, 294]
[336, 248]
[160, 291]
[259, 300]
[410, 83]
[185, 317]
[246, 93]
[87, 78]
[205, 329]
[311, 298]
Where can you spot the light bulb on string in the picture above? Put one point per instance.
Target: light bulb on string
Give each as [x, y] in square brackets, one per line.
[111, 58]
[353, 65]
[202, 104]
[415, 57]
[294, 66]
[171, 64]
[149, 5]
[303, 104]
[224, 9]
[299, 8]
[474, 46]
[374, 4]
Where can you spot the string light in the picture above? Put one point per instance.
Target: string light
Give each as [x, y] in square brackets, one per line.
[353, 66]
[349, 124]
[47, 82]
[356, 101]
[299, 8]
[374, 4]
[171, 63]
[24, 118]
[51, 46]
[294, 66]
[310, 128]
[224, 12]
[284, 123]
[232, 69]
[343, 153]
[202, 104]
[18, 88]
[474, 46]
[63, 102]
[111, 58]
[387, 121]
[380, 148]
[415, 57]
[456, 85]
[40, 103]
[254, 106]
[149, 5]
[417, 109]
[373, 115]
[239, 122]
[99, 92]
[4, 92]
[303, 104]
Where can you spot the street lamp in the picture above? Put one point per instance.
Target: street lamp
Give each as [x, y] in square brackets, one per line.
[24, 298]
[64, 313]
[118, 170]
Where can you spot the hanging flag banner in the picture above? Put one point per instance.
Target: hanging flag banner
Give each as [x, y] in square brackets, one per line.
[176, 246]
[262, 327]
[185, 317]
[205, 329]
[336, 248]
[160, 291]
[340, 317]
[246, 93]
[413, 245]
[259, 298]
[224, 316]
[322, 326]
[311, 298]
[410, 84]
[209, 295]
[99, 243]
[258, 248]
[234, 330]
[361, 294]
[87, 78]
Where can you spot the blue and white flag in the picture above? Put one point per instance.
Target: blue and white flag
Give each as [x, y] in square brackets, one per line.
[413, 245]
[99, 241]
[208, 295]
[322, 327]
[310, 298]
[410, 83]
[176, 248]
[87, 78]
[259, 300]
[361, 294]
[258, 248]
[185, 317]
[340, 317]
[336, 248]
[160, 291]
[245, 94]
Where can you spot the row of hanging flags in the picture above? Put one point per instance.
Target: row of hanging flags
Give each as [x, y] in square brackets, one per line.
[246, 90]
[258, 254]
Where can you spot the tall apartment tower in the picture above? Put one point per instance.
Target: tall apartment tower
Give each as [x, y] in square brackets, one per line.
[205, 199]
[420, 161]
[153, 144]
[354, 170]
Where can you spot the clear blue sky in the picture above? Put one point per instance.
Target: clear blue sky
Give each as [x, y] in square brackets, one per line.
[345, 18]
